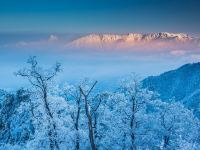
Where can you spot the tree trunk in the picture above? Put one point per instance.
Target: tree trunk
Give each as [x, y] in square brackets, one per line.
[52, 126]
[132, 125]
[77, 141]
[166, 142]
[91, 134]
[95, 128]
[77, 128]
[89, 117]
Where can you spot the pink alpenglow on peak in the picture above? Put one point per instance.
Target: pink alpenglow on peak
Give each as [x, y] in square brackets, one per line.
[134, 40]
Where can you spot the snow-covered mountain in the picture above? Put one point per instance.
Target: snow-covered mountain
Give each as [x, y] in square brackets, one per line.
[131, 39]
[171, 43]
[182, 84]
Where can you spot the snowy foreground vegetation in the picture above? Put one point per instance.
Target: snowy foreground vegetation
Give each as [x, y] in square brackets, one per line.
[50, 117]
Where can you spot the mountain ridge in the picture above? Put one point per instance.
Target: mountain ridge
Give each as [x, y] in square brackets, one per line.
[101, 39]
[182, 84]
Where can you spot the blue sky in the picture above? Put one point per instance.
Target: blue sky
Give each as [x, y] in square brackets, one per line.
[86, 16]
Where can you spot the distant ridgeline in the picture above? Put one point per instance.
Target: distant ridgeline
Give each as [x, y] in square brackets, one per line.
[182, 84]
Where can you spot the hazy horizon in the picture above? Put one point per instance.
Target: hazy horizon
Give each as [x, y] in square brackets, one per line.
[42, 28]
[107, 66]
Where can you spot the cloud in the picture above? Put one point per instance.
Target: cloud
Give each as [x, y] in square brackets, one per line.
[50, 41]
[194, 57]
[178, 52]
[53, 38]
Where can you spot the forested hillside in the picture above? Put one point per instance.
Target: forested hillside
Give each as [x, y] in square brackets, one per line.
[48, 116]
[182, 84]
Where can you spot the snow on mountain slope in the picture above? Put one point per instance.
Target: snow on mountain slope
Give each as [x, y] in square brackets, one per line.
[182, 84]
[176, 44]
[162, 39]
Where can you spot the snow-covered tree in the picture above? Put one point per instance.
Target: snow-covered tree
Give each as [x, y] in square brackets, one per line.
[40, 80]
[175, 124]
[86, 90]
[50, 117]
[16, 119]
[73, 95]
